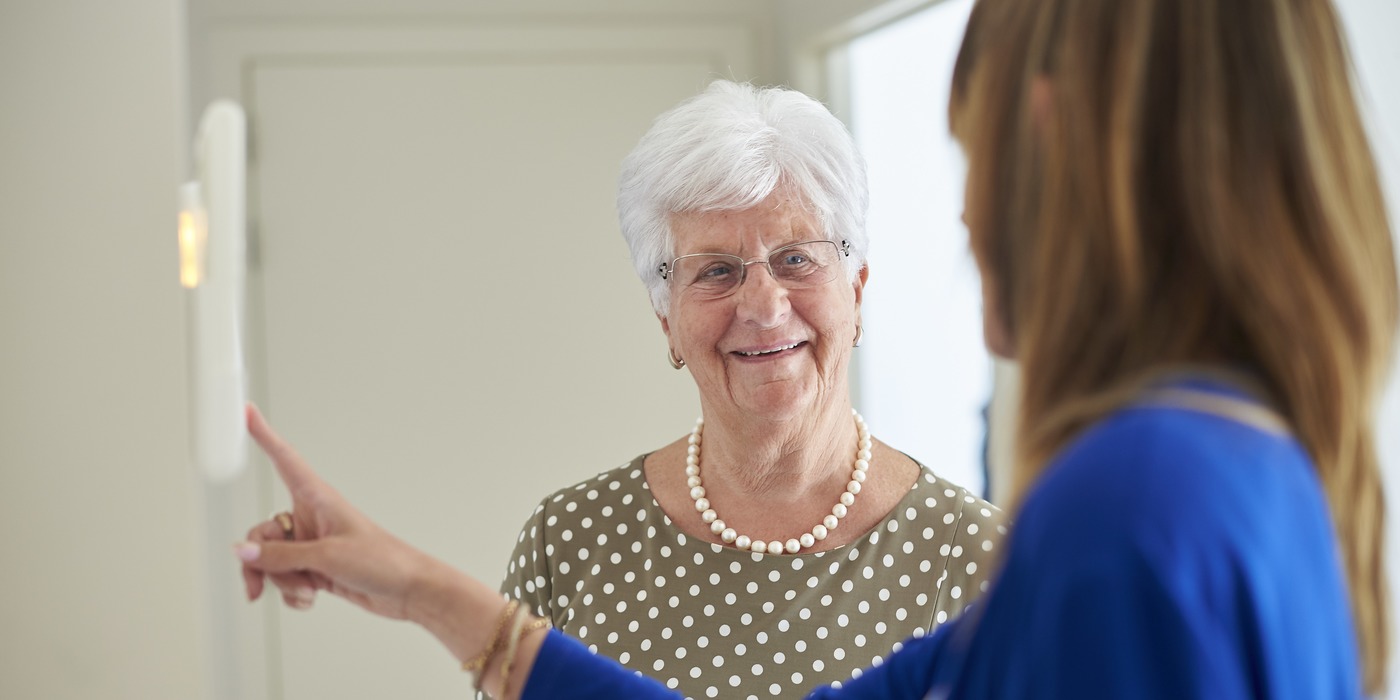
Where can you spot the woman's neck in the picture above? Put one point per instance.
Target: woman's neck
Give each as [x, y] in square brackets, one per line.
[778, 460]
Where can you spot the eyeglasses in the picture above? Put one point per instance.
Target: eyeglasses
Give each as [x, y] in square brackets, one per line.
[796, 266]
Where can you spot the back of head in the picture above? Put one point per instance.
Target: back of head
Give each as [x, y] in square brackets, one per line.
[727, 149]
[1167, 182]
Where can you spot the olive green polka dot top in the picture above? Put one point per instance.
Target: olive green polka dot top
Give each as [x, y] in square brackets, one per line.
[603, 562]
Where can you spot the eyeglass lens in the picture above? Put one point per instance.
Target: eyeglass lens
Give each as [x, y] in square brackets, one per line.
[800, 265]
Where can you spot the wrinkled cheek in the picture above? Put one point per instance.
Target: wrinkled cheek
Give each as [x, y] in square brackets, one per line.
[833, 363]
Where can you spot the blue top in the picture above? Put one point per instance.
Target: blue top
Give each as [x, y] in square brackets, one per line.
[1168, 552]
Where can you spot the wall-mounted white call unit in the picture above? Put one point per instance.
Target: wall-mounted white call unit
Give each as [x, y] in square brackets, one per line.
[213, 242]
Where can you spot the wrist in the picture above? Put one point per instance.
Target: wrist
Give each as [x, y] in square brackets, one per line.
[455, 608]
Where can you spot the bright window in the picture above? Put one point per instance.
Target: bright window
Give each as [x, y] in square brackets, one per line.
[923, 375]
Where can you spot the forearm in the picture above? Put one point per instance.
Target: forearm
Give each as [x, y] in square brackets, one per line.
[458, 610]
[467, 616]
[464, 614]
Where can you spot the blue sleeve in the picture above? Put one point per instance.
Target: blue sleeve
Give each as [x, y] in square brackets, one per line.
[565, 668]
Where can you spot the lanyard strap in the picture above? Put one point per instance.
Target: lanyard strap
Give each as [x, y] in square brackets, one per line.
[1229, 407]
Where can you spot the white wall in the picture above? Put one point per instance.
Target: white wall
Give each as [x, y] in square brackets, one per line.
[101, 574]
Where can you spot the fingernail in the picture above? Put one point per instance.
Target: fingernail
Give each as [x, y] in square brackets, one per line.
[306, 596]
[247, 551]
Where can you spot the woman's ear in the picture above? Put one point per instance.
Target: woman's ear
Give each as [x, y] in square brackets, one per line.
[676, 362]
[665, 324]
[859, 284]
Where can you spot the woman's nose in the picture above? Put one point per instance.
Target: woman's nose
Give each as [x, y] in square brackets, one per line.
[761, 300]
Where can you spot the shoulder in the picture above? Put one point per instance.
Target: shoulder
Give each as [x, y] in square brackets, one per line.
[569, 515]
[954, 503]
[591, 499]
[1150, 457]
[600, 486]
[1186, 538]
[968, 533]
[1165, 484]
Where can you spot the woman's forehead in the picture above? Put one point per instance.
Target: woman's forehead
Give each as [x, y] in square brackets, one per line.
[767, 226]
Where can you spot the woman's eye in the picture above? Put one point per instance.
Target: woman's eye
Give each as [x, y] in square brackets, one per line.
[716, 271]
[794, 259]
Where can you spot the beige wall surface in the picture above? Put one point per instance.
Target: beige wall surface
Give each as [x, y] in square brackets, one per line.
[101, 575]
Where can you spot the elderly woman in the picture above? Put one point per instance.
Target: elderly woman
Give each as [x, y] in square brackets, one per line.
[778, 544]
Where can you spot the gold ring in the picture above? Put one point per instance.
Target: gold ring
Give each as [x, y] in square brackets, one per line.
[284, 519]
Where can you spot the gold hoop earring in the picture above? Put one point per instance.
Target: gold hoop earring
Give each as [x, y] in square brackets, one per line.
[856, 342]
[676, 362]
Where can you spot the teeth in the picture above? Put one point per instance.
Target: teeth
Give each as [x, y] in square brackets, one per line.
[768, 352]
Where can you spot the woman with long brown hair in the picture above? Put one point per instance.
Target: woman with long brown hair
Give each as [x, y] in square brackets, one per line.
[1183, 241]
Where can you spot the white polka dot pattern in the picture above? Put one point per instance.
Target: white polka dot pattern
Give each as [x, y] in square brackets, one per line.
[604, 563]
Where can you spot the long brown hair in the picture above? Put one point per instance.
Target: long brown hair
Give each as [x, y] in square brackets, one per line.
[1155, 183]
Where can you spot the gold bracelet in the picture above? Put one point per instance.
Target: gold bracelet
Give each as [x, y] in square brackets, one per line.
[513, 647]
[477, 665]
[535, 625]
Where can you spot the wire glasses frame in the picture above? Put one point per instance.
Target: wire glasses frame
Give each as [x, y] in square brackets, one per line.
[795, 266]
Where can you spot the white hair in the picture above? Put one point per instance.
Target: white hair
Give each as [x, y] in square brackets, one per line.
[728, 149]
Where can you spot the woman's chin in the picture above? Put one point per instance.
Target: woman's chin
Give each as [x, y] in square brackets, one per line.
[778, 400]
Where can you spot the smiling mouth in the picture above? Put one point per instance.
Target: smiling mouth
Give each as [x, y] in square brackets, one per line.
[772, 351]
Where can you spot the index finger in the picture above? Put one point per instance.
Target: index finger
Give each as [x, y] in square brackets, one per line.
[295, 473]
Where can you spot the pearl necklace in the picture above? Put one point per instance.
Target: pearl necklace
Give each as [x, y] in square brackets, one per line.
[792, 546]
